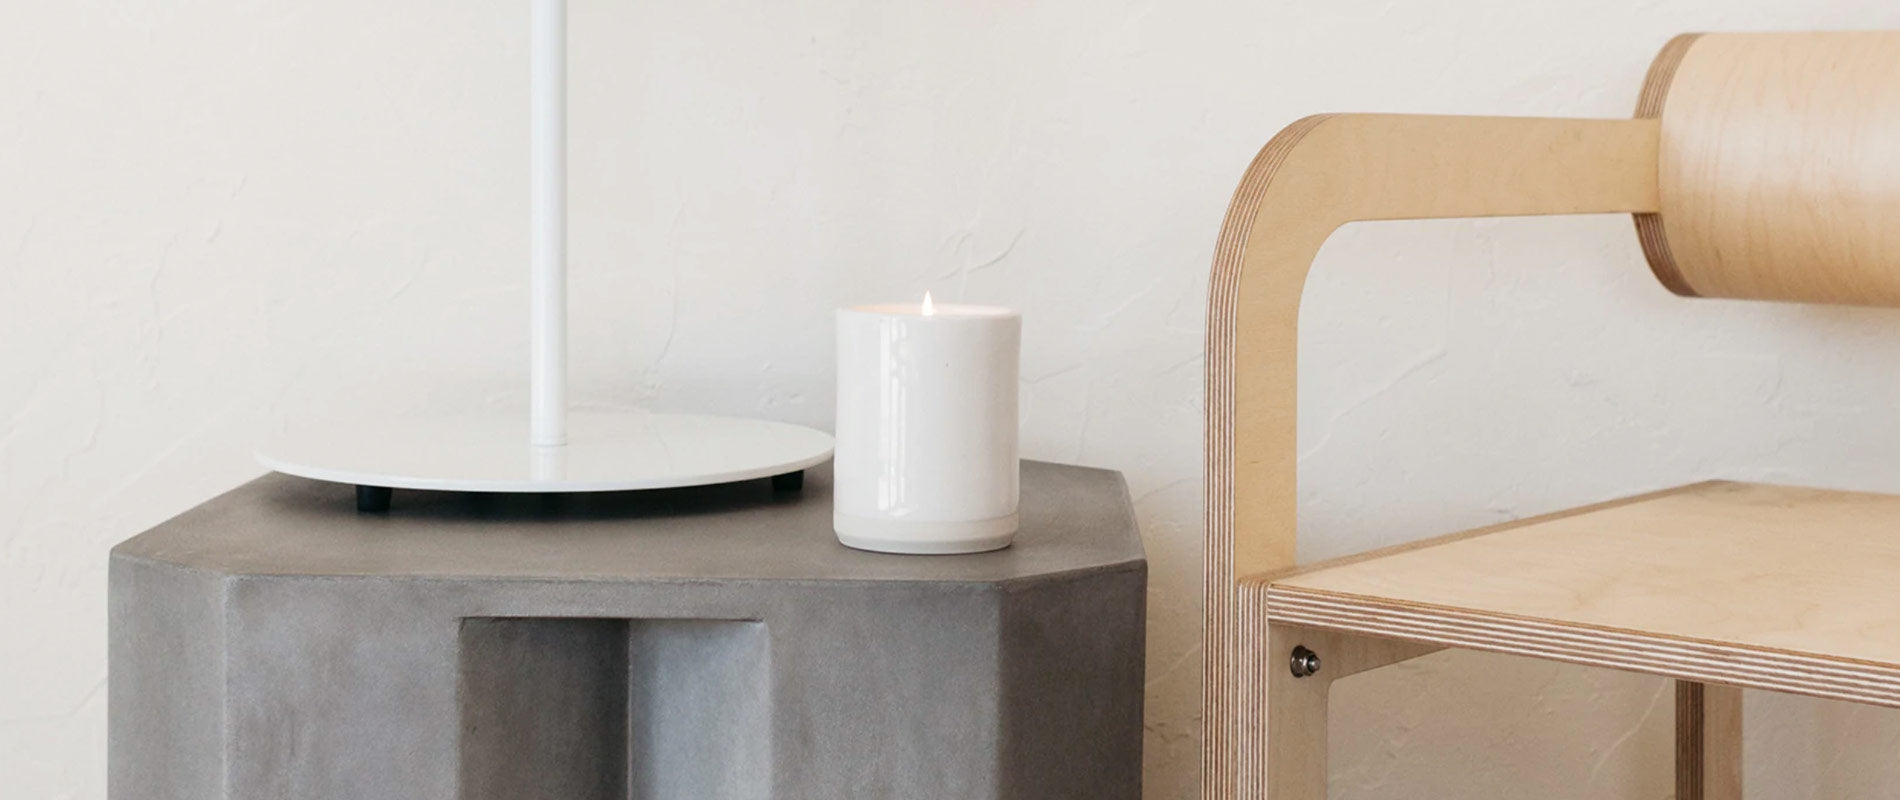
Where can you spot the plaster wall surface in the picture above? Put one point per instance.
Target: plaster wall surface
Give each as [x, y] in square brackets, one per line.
[218, 218]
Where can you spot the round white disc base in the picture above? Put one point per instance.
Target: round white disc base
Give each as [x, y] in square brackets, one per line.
[606, 452]
[924, 538]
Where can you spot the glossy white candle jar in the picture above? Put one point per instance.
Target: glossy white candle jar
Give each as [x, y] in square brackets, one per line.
[927, 450]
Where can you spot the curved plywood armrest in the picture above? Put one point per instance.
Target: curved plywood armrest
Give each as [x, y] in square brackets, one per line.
[1318, 174]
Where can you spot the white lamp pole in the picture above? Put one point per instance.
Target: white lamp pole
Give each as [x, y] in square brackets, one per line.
[547, 281]
[604, 451]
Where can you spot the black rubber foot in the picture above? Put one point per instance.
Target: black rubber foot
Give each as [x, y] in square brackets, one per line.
[373, 499]
[789, 482]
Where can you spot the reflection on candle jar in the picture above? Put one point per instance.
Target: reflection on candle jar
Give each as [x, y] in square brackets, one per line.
[927, 427]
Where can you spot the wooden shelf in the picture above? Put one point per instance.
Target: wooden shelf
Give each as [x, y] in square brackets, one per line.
[1771, 587]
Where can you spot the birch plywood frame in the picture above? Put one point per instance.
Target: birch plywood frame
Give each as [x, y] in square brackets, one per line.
[1317, 175]
[1759, 166]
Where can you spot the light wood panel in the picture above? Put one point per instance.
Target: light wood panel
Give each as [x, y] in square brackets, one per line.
[1295, 716]
[1779, 170]
[1320, 173]
[1293, 709]
[1708, 742]
[1758, 586]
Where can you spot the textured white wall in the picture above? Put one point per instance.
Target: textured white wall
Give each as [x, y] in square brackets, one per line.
[215, 216]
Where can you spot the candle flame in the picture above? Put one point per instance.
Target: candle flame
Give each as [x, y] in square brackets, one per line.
[929, 307]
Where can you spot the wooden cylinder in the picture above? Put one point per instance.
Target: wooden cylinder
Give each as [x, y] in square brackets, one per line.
[1779, 167]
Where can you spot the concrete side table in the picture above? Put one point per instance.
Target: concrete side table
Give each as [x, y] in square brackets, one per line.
[701, 643]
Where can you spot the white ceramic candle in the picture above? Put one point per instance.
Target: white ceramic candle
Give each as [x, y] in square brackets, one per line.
[927, 454]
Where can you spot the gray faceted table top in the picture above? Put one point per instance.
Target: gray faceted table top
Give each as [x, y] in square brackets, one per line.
[1073, 519]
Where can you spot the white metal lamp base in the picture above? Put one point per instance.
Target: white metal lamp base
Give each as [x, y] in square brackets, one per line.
[606, 451]
[548, 450]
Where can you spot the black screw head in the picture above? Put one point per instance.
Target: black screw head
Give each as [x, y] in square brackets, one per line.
[1304, 662]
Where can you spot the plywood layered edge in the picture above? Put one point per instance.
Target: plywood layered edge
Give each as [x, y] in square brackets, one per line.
[1649, 105]
[1636, 651]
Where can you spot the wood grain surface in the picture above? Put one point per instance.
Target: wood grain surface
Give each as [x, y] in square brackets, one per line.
[1749, 585]
[1779, 167]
